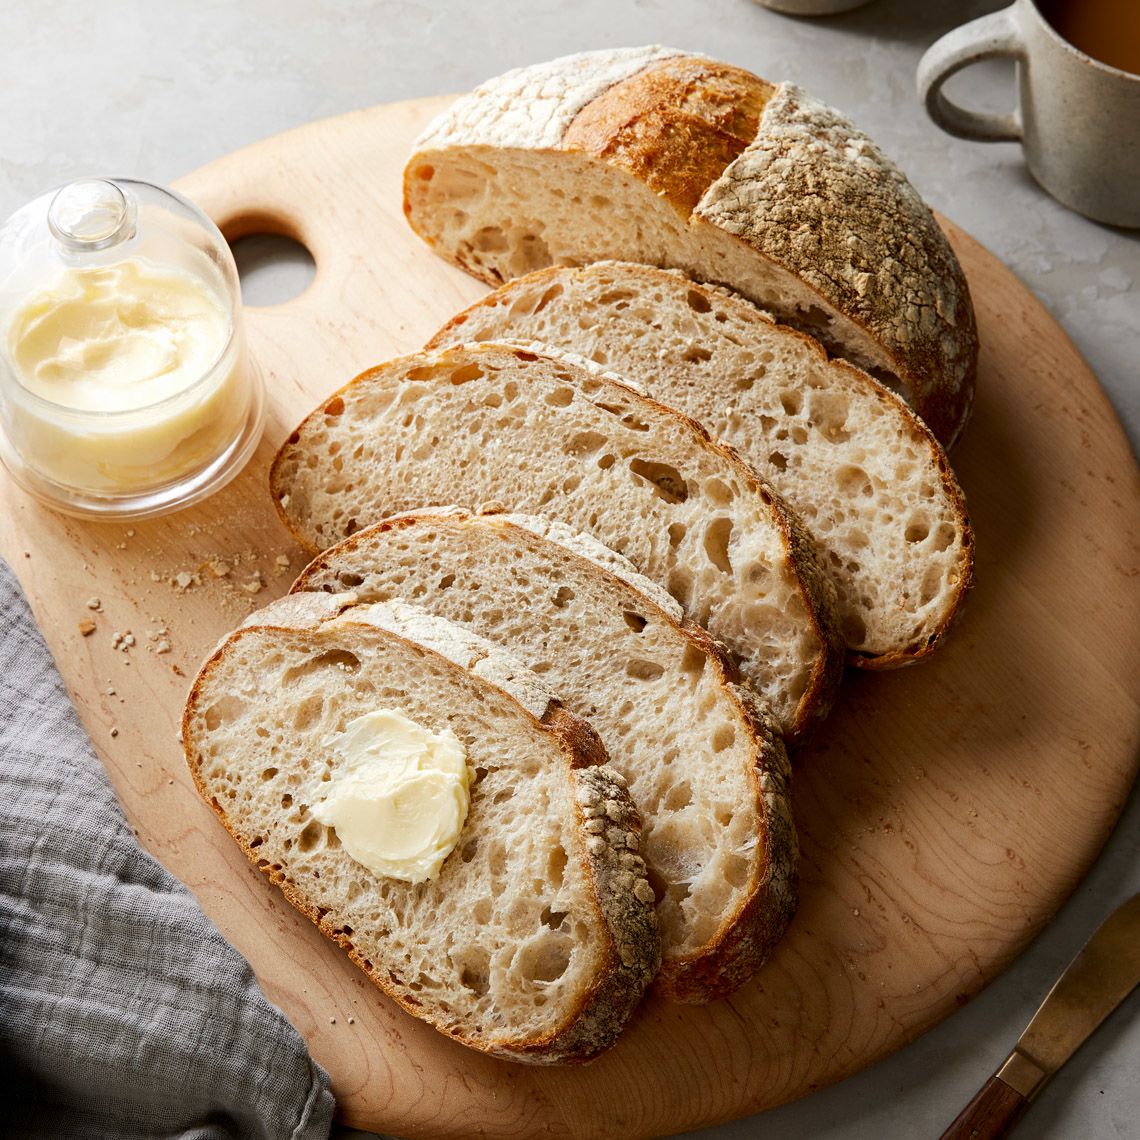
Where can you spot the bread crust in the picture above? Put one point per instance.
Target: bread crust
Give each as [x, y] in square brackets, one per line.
[892, 405]
[815, 195]
[809, 193]
[675, 125]
[632, 953]
[813, 584]
[746, 937]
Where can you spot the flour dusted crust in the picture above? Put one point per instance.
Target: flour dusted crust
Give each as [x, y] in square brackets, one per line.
[807, 217]
[816, 195]
[620, 895]
[533, 106]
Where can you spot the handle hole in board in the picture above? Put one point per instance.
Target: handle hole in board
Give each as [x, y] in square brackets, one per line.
[273, 267]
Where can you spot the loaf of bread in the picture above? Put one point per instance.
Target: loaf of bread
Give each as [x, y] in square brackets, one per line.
[535, 942]
[658, 156]
[867, 479]
[705, 769]
[543, 435]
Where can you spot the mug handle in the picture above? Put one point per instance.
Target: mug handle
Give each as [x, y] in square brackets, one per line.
[996, 36]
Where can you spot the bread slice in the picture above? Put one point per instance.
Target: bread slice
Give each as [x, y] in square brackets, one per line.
[538, 937]
[541, 434]
[866, 477]
[658, 156]
[705, 767]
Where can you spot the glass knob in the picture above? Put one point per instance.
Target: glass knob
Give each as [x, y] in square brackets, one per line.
[91, 214]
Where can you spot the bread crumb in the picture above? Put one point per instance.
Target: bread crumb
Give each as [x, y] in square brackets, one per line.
[255, 583]
[219, 567]
[94, 604]
[87, 627]
[332, 1021]
[110, 690]
[492, 507]
[183, 581]
[162, 647]
[855, 912]
[115, 732]
[281, 563]
[352, 1021]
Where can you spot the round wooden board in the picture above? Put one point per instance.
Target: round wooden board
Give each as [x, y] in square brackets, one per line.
[945, 811]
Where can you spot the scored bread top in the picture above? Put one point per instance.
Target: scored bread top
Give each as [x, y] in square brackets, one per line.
[703, 764]
[545, 436]
[866, 477]
[533, 943]
[676, 160]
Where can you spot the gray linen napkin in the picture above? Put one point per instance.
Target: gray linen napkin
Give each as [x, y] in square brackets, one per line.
[123, 1011]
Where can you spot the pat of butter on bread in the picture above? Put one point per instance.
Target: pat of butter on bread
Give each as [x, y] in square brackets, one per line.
[399, 795]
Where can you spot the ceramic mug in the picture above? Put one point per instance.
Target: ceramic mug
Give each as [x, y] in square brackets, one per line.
[1078, 120]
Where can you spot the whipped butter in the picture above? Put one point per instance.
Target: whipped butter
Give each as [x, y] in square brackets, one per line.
[111, 338]
[125, 387]
[128, 362]
[399, 795]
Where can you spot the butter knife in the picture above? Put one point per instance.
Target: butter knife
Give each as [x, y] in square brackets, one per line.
[1096, 981]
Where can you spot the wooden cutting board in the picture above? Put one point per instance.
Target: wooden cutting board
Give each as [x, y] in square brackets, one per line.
[945, 811]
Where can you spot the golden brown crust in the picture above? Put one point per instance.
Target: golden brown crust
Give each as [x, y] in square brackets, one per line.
[633, 951]
[676, 125]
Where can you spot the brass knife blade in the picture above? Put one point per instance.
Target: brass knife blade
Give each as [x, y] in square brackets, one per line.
[1097, 980]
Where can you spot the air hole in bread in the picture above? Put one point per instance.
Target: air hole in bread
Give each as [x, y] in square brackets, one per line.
[633, 423]
[931, 581]
[584, 443]
[490, 239]
[335, 407]
[680, 585]
[446, 582]
[286, 801]
[778, 460]
[311, 837]
[641, 670]
[466, 374]
[346, 581]
[724, 737]
[221, 712]
[256, 842]
[339, 659]
[694, 354]
[718, 492]
[556, 866]
[476, 977]
[605, 462]
[917, 530]
[944, 536]
[560, 397]
[308, 712]
[667, 481]
[679, 795]
[562, 596]
[853, 481]
[697, 301]
[791, 401]
[718, 535]
[553, 918]
[634, 620]
[269, 773]
[545, 958]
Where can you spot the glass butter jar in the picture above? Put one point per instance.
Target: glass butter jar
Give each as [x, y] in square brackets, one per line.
[125, 385]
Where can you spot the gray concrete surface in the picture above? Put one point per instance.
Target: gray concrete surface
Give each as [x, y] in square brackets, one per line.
[155, 88]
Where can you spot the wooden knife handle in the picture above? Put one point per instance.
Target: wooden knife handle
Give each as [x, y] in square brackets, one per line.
[991, 1114]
